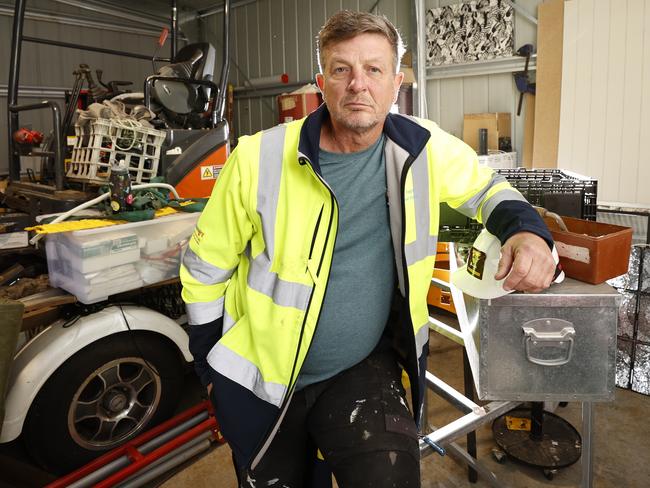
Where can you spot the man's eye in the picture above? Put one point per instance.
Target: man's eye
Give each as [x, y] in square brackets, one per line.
[339, 69]
[374, 69]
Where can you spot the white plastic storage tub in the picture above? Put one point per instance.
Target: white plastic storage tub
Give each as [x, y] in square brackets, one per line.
[96, 263]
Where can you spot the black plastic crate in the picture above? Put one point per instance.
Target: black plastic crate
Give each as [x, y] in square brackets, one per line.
[558, 191]
[460, 234]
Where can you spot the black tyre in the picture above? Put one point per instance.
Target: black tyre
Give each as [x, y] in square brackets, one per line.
[104, 395]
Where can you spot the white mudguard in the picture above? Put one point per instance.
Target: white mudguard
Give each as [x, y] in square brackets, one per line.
[40, 358]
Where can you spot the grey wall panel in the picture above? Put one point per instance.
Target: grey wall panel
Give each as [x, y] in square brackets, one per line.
[475, 94]
[290, 30]
[264, 48]
[451, 106]
[278, 33]
[317, 20]
[306, 43]
[350, 4]
[332, 6]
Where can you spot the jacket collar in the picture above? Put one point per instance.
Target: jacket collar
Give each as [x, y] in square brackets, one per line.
[402, 130]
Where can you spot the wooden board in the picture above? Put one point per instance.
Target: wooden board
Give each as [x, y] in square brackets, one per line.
[529, 130]
[550, 15]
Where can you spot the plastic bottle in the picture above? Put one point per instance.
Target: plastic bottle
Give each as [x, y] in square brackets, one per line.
[120, 185]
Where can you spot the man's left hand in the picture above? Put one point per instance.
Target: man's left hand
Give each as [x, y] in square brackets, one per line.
[527, 262]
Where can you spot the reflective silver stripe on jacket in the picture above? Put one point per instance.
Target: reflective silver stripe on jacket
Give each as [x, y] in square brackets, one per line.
[204, 312]
[424, 244]
[268, 185]
[497, 198]
[282, 292]
[243, 372]
[228, 322]
[395, 159]
[471, 206]
[421, 338]
[204, 272]
[260, 276]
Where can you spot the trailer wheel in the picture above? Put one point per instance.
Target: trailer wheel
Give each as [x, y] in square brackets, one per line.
[104, 395]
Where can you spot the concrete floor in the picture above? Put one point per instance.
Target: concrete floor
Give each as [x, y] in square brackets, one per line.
[621, 443]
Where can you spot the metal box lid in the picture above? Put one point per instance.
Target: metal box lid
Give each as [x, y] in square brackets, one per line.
[569, 293]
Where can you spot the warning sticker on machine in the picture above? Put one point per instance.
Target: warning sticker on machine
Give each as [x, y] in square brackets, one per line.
[517, 423]
[210, 172]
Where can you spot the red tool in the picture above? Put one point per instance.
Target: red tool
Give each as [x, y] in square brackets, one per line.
[28, 137]
[132, 450]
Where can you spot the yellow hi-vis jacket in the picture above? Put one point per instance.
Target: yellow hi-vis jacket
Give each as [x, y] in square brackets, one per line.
[260, 258]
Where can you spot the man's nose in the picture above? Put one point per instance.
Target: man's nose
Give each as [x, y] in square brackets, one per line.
[357, 81]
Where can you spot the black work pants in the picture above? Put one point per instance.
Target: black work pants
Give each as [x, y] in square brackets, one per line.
[360, 422]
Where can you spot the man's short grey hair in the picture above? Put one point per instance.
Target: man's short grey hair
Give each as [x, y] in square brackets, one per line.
[347, 24]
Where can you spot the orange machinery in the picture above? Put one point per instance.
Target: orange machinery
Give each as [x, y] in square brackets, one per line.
[439, 295]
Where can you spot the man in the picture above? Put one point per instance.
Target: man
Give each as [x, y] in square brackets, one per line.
[307, 276]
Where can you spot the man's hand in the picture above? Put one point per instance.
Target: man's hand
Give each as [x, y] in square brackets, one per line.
[527, 262]
[209, 389]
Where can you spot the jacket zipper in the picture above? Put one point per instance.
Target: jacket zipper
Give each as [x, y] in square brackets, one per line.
[289, 395]
[407, 166]
[313, 239]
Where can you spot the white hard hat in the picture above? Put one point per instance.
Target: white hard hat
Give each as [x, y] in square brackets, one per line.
[476, 277]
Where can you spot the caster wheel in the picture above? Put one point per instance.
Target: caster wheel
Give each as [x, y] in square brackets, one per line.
[549, 474]
[499, 456]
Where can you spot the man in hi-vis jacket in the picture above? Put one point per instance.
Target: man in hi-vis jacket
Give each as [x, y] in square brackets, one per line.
[306, 279]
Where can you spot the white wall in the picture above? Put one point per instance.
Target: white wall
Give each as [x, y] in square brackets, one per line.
[605, 109]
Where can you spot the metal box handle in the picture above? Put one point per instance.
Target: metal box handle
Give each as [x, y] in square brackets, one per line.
[549, 332]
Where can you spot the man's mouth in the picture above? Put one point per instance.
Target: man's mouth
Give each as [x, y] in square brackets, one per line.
[357, 105]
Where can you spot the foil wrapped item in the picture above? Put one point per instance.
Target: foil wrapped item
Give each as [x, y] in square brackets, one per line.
[643, 331]
[623, 360]
[641, 371]
[645, 275]
[626, 313]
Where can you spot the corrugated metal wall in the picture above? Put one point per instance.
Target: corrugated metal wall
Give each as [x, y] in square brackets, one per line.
[51, 67]
[605, 111]
[270, 37]
[450, 98]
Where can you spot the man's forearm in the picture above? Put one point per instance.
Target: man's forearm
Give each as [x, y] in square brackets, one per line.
[512, 216]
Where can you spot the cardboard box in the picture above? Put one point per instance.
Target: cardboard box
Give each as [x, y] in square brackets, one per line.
[497, 125]
[294, 106]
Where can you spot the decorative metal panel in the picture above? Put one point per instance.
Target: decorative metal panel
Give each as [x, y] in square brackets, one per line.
[472, 31]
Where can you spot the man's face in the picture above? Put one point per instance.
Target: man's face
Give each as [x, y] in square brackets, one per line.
[358, 82]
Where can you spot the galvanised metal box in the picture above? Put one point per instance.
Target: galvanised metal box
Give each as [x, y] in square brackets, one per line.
[559, 345]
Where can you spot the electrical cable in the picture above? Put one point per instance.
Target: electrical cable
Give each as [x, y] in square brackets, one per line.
[135, 343]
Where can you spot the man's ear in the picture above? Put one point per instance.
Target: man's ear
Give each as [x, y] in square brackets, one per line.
[399, 77]
[320, 81]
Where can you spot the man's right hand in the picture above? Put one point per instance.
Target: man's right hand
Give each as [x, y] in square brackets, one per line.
[209, 389]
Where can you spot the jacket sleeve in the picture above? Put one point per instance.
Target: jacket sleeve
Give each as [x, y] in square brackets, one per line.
[480, 193]
[212, 256]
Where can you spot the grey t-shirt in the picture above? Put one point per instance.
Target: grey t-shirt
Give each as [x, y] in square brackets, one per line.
[362, 278]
